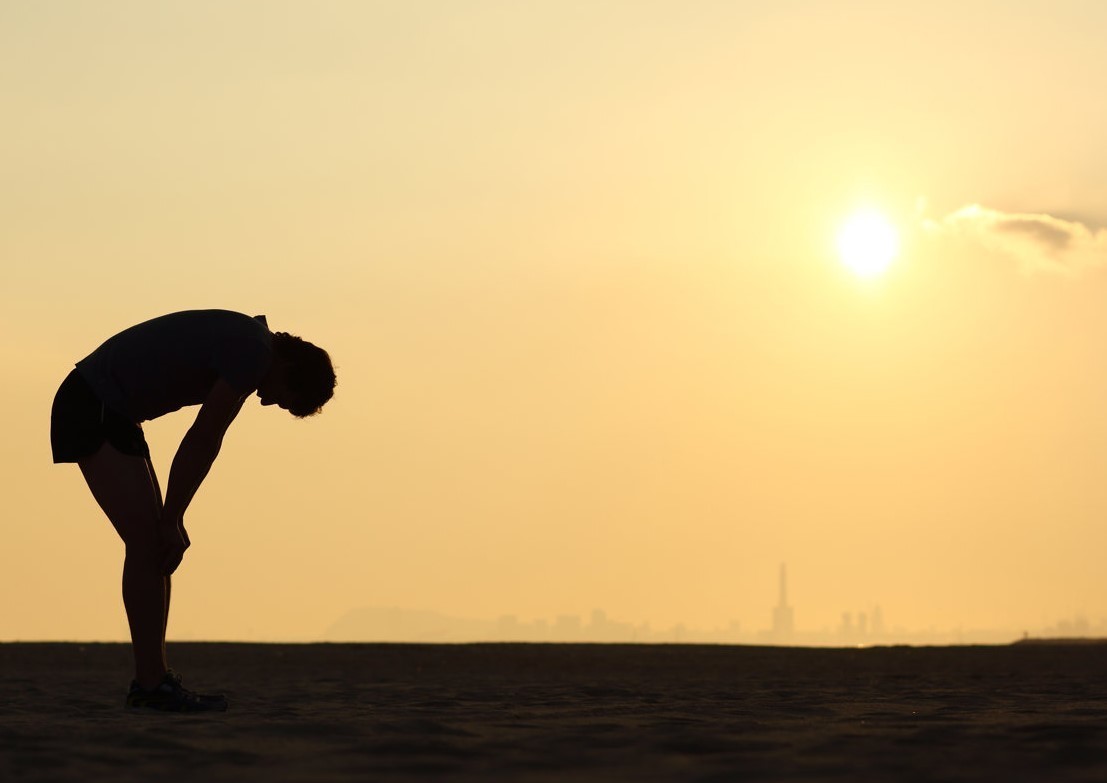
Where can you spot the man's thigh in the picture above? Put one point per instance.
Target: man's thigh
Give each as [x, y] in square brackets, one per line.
[127, 490]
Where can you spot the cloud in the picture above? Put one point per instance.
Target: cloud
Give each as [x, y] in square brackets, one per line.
[1038, 242]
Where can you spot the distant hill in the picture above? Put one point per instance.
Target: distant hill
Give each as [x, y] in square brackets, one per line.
[381, 624]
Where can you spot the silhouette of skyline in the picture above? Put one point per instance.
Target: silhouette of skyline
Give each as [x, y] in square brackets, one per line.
[783, 615]
[856, 627]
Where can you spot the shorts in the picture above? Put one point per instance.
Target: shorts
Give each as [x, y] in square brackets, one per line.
[80, 423]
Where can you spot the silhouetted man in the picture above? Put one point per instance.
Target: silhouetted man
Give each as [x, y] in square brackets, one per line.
[211, 358]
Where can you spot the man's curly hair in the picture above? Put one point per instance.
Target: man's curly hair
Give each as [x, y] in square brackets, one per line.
[310, 375]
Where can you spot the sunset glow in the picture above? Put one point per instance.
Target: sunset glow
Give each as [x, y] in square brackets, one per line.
[630, 303]
[868, 244]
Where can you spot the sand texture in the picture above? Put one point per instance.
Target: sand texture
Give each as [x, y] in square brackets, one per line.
[563, 712]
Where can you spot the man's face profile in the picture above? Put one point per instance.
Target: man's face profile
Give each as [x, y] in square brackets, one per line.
[273, 389]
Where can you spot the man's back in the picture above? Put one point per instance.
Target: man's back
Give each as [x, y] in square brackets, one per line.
[172, 361]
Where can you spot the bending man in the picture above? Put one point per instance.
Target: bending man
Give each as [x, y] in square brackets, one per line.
[211, 358]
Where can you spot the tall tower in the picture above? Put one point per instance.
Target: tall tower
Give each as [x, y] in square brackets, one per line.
[783, 619]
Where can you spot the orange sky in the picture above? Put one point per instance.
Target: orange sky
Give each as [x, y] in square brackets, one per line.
[575, 264]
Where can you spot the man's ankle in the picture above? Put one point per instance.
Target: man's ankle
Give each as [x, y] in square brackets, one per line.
[149, 681]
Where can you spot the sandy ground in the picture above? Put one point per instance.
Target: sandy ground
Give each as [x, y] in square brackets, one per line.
[563, 712]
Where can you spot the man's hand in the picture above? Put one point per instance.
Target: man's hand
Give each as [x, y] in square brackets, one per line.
[174, 542]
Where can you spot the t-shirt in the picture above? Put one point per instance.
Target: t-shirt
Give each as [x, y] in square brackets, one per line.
[166, 363]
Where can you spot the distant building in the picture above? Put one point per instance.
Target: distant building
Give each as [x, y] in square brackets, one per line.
[878, 621]
[567, 628]
[847, 624]
[783, 616]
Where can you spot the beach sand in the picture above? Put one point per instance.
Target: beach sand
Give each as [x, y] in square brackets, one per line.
[563, 712]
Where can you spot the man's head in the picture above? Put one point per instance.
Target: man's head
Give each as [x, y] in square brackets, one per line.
[301, 379]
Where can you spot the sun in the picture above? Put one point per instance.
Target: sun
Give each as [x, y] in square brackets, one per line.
[868, 244]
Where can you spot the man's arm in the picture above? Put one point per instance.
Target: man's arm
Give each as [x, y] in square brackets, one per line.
[191, 464]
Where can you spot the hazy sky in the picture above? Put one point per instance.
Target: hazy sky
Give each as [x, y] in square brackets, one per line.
[575, 263]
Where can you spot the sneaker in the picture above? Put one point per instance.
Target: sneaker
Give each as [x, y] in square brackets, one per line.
[217, 698]
[170, 696]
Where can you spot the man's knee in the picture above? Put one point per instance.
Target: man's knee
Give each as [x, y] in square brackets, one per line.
[144, 553]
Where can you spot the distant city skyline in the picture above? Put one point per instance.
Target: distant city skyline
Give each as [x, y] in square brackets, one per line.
[393, 624]
[862, 627]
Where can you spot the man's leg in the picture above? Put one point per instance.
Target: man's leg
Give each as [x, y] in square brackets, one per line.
[168, 579]
[124, 487]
